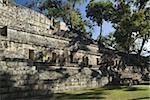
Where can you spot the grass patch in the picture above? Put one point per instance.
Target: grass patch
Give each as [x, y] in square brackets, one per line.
[139, 92]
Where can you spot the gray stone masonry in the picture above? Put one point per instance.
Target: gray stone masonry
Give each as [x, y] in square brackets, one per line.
[34, 64]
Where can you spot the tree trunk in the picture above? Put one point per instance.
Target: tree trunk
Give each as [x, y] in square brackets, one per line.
[140, 51]
[74, 3]
[100, 34]
[143, 42]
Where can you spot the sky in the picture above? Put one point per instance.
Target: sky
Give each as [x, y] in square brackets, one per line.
[107, 27]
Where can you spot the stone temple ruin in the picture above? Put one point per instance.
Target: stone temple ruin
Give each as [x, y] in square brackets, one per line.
[37, 57]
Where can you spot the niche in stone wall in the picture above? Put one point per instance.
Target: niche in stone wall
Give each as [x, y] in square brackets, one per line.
[98, 61]
[3, 31]
[31, 54]
[71, 57]
[85, 60]
[54, 57]
[5, 2]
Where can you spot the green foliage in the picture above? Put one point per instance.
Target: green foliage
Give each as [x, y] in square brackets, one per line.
[123, 33]
[61, 10]
[127, 16]
[109, 41]
[99, 11]
[74, 2]
[121, 10]
[140, 4]
[69, 15]
[140, 24]
[128, 21]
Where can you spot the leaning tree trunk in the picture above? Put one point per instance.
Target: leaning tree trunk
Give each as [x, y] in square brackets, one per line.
[100, 38]
[100, 34]
[140, 51]
[74, 3]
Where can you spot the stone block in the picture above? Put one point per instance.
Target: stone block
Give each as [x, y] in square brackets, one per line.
[1, 1]
[1, 5]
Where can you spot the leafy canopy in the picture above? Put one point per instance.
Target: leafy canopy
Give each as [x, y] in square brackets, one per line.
[130, 17]
[99, 11]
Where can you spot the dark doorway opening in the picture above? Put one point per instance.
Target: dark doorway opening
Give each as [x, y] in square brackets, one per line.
[85, 60]
[71, 57]
[54, 57]
[31, 54]
[3, 31]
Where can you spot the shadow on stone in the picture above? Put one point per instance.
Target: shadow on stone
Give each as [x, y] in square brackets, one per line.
[26, 89]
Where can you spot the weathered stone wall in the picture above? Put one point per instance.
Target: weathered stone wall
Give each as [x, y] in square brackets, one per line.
[28, 30]
[26, 26]
[32, 28]
[23, 82]
[92, 57]
[24, 19]
[19, 82]
[18, 43]
[22, 78]
[11, 49]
